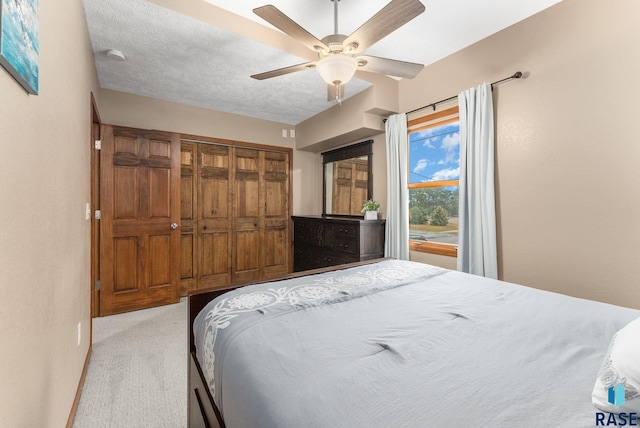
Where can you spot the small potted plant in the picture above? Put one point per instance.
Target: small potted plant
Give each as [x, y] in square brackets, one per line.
[371, 209]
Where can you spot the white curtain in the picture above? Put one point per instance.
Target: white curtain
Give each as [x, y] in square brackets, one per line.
[397, 227]
[477, 252]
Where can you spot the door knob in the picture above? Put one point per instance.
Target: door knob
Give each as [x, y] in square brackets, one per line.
[174, 226]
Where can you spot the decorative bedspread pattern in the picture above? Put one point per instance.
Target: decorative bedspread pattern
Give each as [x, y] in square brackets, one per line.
[245, 306]
[406, 344]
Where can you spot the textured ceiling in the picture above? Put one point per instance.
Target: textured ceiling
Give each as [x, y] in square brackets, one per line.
[175, 57]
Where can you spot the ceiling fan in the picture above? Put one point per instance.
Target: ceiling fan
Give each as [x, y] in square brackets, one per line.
[338, 57]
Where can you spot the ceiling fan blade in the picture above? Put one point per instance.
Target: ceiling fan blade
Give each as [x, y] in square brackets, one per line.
[283, 71]
[275, 17]
[391, 67]
[391, 17]
[331, 92]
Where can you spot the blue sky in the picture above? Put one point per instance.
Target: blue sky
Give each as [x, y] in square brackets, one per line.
[434, 154]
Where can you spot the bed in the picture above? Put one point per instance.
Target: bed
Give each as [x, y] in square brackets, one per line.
[403, 344]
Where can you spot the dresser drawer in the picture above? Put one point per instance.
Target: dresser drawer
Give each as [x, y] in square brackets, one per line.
[344, 231]
[307, 232]
[340, 236]
[348, 245]
[333, 258]
[329, 241]
[306, 257]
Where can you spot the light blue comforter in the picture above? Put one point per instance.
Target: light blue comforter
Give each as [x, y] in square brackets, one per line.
[403, 344]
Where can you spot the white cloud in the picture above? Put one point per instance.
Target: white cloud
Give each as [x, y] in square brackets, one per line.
[425, 137]
[421, 165]
[451, 141]
[446, 174]
[452, 157]
[427, 143]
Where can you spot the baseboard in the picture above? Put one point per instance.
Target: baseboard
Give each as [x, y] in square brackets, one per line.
[76, 400]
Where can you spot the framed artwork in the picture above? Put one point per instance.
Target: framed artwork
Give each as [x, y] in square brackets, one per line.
[19, 41]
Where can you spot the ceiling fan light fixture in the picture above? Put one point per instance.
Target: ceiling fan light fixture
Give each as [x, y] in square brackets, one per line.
[337, 69]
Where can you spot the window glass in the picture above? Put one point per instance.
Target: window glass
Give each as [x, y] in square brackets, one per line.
[434, 171]
[434, 154]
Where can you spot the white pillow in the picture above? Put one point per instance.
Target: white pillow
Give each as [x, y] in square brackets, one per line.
[621, 365]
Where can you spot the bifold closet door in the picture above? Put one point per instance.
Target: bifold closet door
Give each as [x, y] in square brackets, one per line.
[188, 218]
[275, 237]
[349, 187]
[235, 215]
[248, 215]
[261, 214]
[205, 257]
[214, 216]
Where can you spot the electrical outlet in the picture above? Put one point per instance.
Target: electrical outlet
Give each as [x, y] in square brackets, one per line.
[79, 333]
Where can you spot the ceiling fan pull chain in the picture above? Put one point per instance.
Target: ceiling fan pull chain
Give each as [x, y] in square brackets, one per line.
[338, 100]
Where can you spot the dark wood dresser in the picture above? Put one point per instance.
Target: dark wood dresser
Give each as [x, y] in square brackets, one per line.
[328, 241]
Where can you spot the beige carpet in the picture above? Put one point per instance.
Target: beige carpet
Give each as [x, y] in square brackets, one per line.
[137, 375]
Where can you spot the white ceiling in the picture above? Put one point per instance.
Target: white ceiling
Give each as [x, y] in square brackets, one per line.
[176, 57]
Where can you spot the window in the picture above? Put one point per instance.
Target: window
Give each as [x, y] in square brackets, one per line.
[434, 172]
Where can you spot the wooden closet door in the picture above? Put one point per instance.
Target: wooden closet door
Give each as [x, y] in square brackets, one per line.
[188, 218]
[275, 238]
[247, 215]
[350, 186]
[215, 216]
[235, 225]
[342, 186]
[139, 202]
[360, 186]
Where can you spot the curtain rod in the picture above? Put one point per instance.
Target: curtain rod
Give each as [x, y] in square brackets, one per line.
[515, 75]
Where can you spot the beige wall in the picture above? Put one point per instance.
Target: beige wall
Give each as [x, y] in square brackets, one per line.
[118, 108]
[567, 172]
[44, 239]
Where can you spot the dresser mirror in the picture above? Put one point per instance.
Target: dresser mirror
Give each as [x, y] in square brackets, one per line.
[347, 179]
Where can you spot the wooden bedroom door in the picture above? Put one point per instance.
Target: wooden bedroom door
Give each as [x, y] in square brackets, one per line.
[140, 211]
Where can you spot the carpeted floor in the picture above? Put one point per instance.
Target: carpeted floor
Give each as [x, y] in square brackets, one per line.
[137, 374]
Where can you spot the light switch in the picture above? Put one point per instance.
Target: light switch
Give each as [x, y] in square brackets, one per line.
[87, 212]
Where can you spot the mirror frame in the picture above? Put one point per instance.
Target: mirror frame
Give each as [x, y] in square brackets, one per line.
[364, 148]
